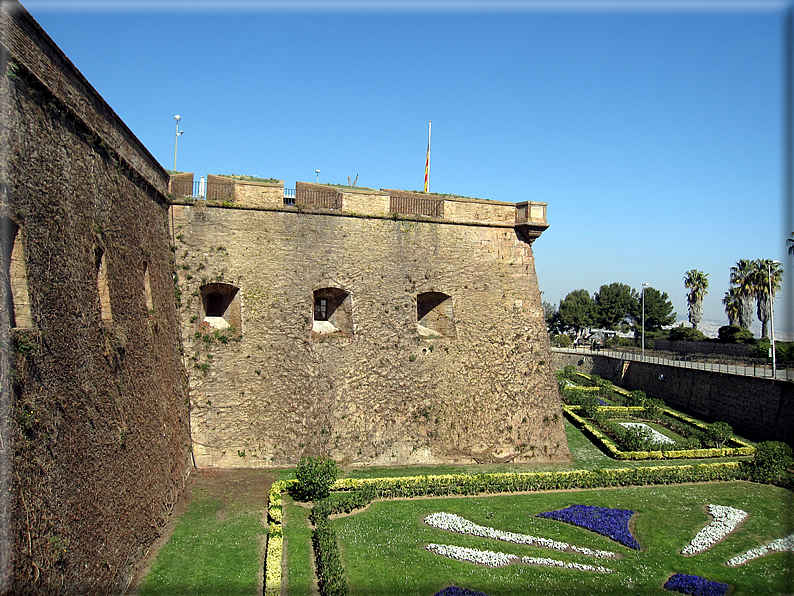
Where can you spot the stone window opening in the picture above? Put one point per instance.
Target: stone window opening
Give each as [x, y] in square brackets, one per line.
[333, 312]
[15, 274]
[147, 289]
[434, 315]
[105, 312]
[221, 306]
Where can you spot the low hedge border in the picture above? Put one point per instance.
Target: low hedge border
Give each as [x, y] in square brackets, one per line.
[361, 491]
[615, 451]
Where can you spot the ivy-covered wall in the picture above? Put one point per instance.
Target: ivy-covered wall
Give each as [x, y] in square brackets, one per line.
[95, 440]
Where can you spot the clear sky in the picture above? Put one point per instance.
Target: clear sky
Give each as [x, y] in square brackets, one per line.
[653, 130]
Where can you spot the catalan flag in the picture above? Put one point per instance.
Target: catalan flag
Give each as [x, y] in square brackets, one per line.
[427, 161]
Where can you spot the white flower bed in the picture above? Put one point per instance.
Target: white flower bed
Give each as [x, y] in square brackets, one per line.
[655, 435]
[556, 563]
[461, 525]
[472, 555]
[725, 521]
[491, 558]
[776, 546]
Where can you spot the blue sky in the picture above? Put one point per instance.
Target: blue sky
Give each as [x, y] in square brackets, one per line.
[654, 130]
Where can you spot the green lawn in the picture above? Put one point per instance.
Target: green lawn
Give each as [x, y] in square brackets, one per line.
[384, 546]
[213, 550]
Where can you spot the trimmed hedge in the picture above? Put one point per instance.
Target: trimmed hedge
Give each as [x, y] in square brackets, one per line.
[600, 437]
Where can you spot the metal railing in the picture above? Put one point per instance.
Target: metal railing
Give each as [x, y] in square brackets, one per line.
[417, 206]
[746, 369]
[312, 199]
[214, 191]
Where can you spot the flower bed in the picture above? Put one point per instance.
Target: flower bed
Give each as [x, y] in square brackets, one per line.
[695, 585]
[598, 436]
[461, 525]
[776, 546]
[456, 591]
[656, 436]
[488, 558]
[491, 558]
[726, 520]
[613, 523]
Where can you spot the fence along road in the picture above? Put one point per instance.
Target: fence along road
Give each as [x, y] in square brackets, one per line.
[685, 361]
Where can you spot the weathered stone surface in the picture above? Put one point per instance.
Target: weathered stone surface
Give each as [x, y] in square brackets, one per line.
[383, 393]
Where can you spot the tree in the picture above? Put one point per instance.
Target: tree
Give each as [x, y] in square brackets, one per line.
[760, 276]
[698, 284]
[616, 304]
[658, 310]
[577, 311]
[552, 317]
[742, 280]
[732, 306]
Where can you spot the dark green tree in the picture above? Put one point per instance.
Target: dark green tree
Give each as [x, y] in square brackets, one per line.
[552, 316]
[658, 310]
[616, 304]
[577, 311]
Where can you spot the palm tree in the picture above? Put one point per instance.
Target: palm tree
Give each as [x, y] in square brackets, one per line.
[742, 281]
[732, 306]
[698, 284]
[761, 284]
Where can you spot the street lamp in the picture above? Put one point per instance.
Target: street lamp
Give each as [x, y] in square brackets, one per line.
[177, 132]
[772, 315]
[318, 175]
[643, 319]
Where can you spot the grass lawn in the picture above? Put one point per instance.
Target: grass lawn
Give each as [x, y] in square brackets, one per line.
[383, 547]
[217, 546]
[210, 552]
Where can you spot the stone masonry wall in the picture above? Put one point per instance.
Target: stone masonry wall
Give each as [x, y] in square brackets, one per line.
[93, 408]
[378, 393]
[760, 409]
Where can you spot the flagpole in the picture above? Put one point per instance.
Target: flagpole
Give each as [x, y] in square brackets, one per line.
[427, 161]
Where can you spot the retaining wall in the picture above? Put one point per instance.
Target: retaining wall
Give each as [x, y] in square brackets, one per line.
[760, 409]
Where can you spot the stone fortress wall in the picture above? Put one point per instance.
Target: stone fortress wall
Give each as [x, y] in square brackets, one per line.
[94, 437]
[436, 349]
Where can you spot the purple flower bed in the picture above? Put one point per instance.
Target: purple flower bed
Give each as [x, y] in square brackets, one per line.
[613, 523]
[601, 402]
[695, 585]
[456, 591]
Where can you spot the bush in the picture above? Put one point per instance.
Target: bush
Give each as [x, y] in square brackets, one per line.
[315, 476]
[686, 334]
[719, 433]
[733, 334]
[636, 398]
[772, 460]
[563, 341]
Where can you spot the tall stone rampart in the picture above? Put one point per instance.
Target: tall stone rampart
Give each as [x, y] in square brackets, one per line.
[433, 347]
[93, 417]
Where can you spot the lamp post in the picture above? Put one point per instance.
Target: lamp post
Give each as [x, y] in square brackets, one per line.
[318, 176]
[177, 132]
[643, 320]
[772, 315]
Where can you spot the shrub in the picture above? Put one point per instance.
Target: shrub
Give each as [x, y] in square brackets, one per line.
[761, 349]
[636, 398]
[569, 370]
[686, 334]
[719, 432]
[315, 476]
[733, 334]
[772, 459]
[563, 341]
